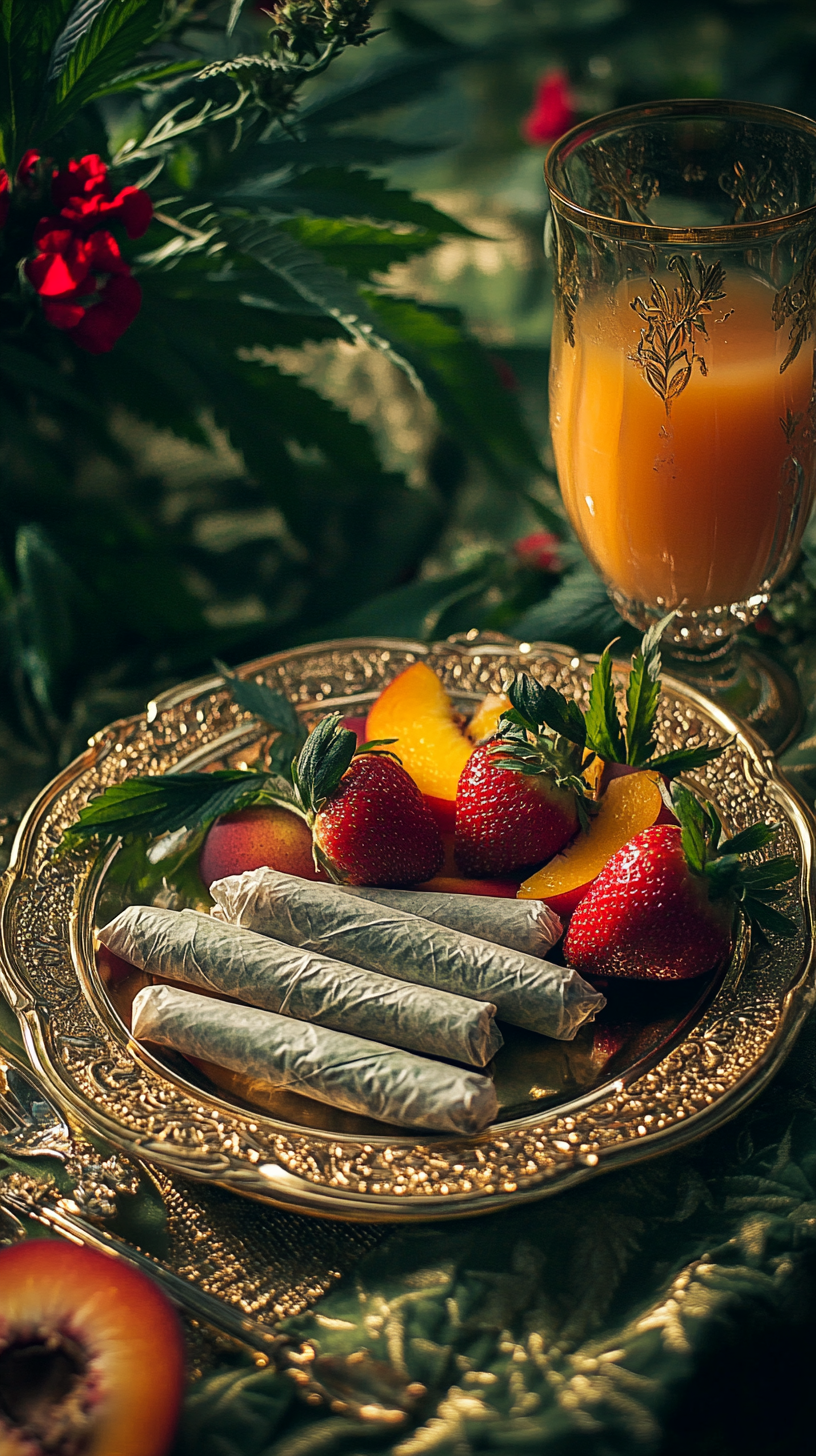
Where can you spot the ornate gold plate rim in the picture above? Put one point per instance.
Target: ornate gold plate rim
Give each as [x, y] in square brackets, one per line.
[108, 1084]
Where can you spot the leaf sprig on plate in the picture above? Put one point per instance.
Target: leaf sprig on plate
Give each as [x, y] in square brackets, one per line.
[599, 732]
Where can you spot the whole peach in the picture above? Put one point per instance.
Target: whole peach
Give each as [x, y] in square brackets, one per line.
[255, 837]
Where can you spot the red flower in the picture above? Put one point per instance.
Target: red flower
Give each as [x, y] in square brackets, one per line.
[101, 325]
[553, 110]
[25, 171]
[4, 196]
[538, 551]
[85, 283]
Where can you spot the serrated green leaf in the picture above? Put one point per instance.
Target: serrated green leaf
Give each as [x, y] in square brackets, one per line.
[258, 698]
[692, 824]
[384, 84]
[767, 918]
[104, 40]
[604, 734]
[683, 760]
[150, 806]
[577, 612]
[323, 760]
[324, 287]
[460, 379]
[359, 248]
[771, 872]
[756, 836]
[27, 33]
[335, 192]
[150, 73]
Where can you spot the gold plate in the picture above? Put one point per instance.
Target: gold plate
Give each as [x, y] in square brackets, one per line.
[709, 1056]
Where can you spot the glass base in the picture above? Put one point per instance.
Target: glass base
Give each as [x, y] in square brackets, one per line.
[703, 649]
[749, 685]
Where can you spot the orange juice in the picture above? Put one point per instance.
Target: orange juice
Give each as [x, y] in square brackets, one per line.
[702, 503]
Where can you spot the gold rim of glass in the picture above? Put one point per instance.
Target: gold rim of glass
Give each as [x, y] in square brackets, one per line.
[624, 231]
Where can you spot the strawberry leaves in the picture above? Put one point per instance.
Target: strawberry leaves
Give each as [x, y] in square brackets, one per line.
[524, 748]
[599, 729]
[708, 853]
[323, 760]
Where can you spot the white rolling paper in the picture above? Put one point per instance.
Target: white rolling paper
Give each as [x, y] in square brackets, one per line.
[345, 1071]
[526, 925]
[525, 990]
[201, 951]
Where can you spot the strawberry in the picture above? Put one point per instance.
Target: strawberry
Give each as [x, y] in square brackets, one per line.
[521, 796]
[664, 907]
[369, 822]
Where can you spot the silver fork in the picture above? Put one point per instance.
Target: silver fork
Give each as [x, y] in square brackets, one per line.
[361, 1388]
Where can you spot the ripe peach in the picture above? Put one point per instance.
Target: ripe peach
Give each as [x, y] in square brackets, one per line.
[632, 802]
[91, 1354]
[252, 838]
[485, 720]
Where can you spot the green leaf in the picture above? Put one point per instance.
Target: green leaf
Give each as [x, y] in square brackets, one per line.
[683, 760]
[153, 805]
[272, 708]
[98, 42]
[643, 694]
[150, 73]
[767, 918]
[359, 248]
[236, 6]
[604, 734]
[28, 29]
[771, 872]
[460, 379]
[336, 192]
[756, 836]
[577, 612]
[323, 760]
[380, 86]
[693, 827]
[325, 288]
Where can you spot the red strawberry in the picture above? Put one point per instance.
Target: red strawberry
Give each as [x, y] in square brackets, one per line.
[663, 907]
[506, 819]
[370, 825]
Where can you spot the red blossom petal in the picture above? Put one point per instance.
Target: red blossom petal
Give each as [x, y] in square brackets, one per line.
[135, 208]
[539, 551]
[51, 235]
[83, 179]
[62, 315]
[56, 271]
[102, 252]
[25, 171]
[104, 323]
[553, 110]
[4, 196]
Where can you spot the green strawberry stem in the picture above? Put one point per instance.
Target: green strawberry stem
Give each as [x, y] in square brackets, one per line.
[523, 747]
[752, 888]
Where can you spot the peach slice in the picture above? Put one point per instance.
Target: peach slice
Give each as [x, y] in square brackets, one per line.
[457, 885]
[416, 711]
[485, 720]
[91, 1354]
[632, 802]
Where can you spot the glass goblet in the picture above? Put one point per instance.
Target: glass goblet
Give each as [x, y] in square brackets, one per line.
[683, 404]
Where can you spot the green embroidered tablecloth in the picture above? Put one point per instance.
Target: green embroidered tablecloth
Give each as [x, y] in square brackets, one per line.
[659, 1310]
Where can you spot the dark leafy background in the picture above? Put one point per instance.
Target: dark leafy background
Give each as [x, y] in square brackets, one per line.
[246, 471]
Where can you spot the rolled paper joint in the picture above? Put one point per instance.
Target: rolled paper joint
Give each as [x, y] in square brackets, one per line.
[205, 952]
[525, 990]
[344, 1071]
[526, 925]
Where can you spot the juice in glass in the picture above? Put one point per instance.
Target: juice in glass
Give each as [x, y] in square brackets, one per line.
[700, 502]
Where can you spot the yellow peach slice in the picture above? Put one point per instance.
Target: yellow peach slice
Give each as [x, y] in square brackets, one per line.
[485, 720]
[416, 711]
[631, 803]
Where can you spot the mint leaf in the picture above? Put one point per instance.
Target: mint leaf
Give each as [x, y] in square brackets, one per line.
[604, 734]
